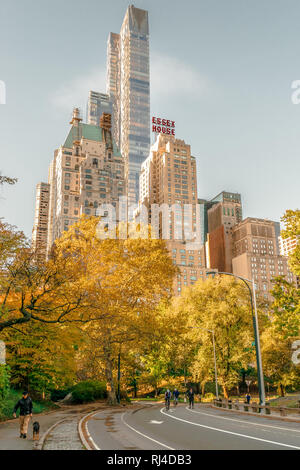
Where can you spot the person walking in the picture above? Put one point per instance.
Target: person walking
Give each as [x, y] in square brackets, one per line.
[191, 397]
[248, 398]
[25, 405]
[168, 396]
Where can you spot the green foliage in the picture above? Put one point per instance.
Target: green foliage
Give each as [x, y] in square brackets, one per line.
[57, 395]
[282, 331]
[4, 384]
[11, 399]
[89, 390]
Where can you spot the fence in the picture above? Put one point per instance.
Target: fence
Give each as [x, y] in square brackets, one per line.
[256, 408]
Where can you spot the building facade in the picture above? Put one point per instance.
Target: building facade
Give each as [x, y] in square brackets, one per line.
[128, 85]
[98, 103]
[168, 194]
[86, 172]
[225, 212]
[256, 255]
[40, 225]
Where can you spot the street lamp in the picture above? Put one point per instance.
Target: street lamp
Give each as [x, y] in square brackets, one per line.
[215, 360]
[261, 385]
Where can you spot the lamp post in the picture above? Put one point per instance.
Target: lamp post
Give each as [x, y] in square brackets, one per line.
[215, 359]
[261, 385]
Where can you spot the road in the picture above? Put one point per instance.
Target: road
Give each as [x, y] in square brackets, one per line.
[151, 427]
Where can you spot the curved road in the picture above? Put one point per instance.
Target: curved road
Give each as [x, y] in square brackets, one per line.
[151, 427]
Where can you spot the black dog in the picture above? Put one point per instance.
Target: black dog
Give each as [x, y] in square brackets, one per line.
[36, 431]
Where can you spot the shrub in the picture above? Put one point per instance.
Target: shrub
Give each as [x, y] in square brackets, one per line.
[57, 395]
[4, 383]
[88, 390]
[124, 396]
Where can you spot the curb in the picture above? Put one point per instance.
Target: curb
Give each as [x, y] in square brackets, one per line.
[82, 426]
[258, 415]
[46, 433]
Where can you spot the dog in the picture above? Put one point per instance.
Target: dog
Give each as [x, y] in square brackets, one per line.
[36, 431]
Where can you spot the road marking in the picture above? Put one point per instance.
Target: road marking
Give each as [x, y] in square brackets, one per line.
[93, 413]
[155, 422]
[244, 422]
[230, 432]
[144, 435]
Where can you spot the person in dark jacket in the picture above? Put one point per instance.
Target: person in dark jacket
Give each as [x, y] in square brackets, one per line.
[191, 397]
[175, 395]
[25, 405]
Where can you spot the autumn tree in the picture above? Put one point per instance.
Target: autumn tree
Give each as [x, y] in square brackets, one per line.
[291, 220]
[283, 330]
[124, 280]
[49, 292]
[221, 305]
[41, 357]
[7, 180]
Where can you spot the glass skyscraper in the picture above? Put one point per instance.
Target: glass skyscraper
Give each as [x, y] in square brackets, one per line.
[97, 104]
[128, 85]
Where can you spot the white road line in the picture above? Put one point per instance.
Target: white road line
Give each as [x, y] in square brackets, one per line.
[80, 424]
[144, 435]
[244, 422]
[230, 432]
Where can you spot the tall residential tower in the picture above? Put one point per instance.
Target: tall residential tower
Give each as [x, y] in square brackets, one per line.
[128, 85]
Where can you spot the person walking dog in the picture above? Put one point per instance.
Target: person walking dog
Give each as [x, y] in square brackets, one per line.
[25, 405]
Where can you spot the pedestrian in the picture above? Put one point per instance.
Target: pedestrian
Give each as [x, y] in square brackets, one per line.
[248, 398]
[191, 398]
[25, 405]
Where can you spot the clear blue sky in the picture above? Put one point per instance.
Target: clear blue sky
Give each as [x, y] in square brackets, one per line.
[221, 69]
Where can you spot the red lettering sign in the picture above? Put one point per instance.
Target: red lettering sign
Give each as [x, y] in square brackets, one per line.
[164, 126]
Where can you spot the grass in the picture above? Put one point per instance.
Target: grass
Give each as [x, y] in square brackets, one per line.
[8, 406]
[291, 400]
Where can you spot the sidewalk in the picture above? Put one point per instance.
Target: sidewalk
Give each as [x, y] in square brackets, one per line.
[9, 430]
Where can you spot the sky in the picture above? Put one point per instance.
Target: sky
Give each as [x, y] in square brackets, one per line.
[223, 70]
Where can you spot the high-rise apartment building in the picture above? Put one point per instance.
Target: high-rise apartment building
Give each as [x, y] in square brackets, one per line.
[225, 212]
[128, 85]
[168, 193]
[40, 226]
[98, 103]
[256, 254]
[113, 89]
[86, 172]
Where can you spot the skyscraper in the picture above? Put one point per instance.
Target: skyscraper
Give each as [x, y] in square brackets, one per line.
[256, 254]
[86, 172]
[222, 216]
[40, 225]
[128, 85]
[168, 190]
[98, 103]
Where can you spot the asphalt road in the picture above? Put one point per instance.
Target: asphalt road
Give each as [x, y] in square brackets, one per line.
[152, 427]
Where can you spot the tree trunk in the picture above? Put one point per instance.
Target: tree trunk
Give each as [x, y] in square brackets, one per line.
[111, 392]
[281, 390]
[225, 392]
[135, 388]
[203, 388]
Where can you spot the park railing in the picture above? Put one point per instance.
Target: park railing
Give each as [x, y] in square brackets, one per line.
[256, 407]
